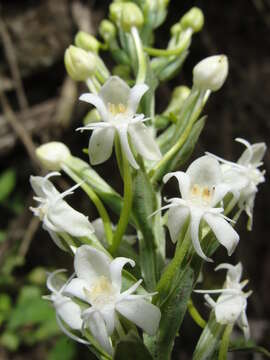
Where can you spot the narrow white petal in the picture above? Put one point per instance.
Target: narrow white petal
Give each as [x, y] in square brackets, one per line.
[68, 311]
[99, 230]
[234, 272]
[195, 219]
[142, 313]
[108, 314]
[205, 171]
[183, 182]
[54, 281]
[143, 141]
[116, 267]
[76, 288]
[243, 324]
[100, 145]
[55, 238]
[42, 186]
[97, 326]
[136, 93]
[97, 102]
[90, 264]
[123, 134]
[66, 219]
[131, 290]
[115, 91]
[177, 217]
[223, 231]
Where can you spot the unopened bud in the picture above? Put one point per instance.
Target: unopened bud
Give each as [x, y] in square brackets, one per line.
[123, 71]
[193, 19]
[126, 15]
[107, 30]
[179, 95]
[176, 29]
[80, 64]
[211, 73]
[92, 116]
[52, 155]
[87, 42]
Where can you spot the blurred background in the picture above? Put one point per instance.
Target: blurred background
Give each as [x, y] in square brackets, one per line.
[39, 103]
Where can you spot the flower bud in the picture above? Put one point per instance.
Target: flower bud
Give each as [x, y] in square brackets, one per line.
[179, 95]
[52, 154]
[176, 29]
[91, 117]
[123, 71]
[211, 73]
[107, 30]
[80, 64]
[193, 19]
[87, 42]
[126, 15]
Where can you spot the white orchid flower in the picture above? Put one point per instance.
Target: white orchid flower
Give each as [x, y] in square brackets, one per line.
[98, 226]
[117, 105]
[231, 305]
[201, 190]
[244, 176]
[68, 313]
[98, 283]
[55, 213]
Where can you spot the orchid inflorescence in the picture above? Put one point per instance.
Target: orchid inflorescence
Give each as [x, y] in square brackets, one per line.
[102, 305]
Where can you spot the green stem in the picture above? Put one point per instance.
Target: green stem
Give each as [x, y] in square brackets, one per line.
[170, 271]
[127, 204]
[193, 312]
[95, 199]
[223, 350]
[141, 73]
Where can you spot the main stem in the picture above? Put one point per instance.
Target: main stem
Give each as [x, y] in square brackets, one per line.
[127, 204]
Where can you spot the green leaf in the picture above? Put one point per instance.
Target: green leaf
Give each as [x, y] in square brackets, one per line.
[173, 312]
[132, 348]
[63, 349]
[7, 183]
[144, 204]
[248, 346]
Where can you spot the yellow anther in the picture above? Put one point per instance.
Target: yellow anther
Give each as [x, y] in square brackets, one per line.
[116, 108]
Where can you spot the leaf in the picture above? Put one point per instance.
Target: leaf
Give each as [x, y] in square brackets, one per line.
[7, 183]
[249, 346]
[10, 341]
[173, 312]
[63, 349]
[132, 348]
[144, 204]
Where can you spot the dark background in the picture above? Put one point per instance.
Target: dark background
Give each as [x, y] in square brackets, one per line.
[40, 32]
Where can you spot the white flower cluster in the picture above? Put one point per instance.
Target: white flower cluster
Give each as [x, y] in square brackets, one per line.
[94, 299]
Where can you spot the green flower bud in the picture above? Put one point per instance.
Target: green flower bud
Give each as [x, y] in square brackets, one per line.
[123, 71]
[179, 95]
[92, 116]
[176, 29]
[193, 19]
[126, 15]
[211, 73]
[52, 154]
[80, 64]
[87, 42]
[107, 30]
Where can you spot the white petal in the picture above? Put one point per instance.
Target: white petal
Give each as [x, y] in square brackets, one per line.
[90, 264]
[142, 313]
[115, 91]
[68, 311]
[100, 145]
[97, 326]
[177, 217]
[55, 281]
[108, 314]
[234, 272]
[205, 171]
[123, 134]
[220, 191]
[223, 231]
[136, 93]
[76, 288]
[183, 182]
[234, 179]
[39, 184]
[116, 267]
[66, 219]
[253, 153]
[97, 102]
[228, 308]
[99, 230]
[195, 219]
[143, 141]
[243, 324]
